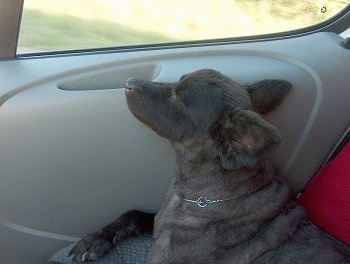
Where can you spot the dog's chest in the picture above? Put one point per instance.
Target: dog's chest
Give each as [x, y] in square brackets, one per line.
[182, 243]
[176, 213]
[185, 233]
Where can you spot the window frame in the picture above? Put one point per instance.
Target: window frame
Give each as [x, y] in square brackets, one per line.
[10, 22]
[11, 10]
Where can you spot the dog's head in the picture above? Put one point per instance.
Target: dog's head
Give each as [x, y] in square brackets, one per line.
[206, 102]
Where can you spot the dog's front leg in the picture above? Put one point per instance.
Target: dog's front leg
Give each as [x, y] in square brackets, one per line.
[97, 244]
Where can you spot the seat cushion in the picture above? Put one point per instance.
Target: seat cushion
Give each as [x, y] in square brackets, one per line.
[131, 251]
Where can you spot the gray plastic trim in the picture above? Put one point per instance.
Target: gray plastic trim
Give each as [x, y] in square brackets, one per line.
[35, 232]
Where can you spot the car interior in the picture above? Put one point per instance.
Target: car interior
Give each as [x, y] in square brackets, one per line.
[73, 157]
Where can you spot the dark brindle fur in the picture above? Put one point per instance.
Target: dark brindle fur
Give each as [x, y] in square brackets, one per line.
[221, 144]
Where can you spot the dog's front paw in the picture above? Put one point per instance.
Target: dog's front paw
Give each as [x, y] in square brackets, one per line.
[91, 247]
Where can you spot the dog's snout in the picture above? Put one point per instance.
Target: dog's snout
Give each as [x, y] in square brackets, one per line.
[130, 84]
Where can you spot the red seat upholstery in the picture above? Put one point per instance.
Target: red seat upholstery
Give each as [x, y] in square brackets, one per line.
[327, 197]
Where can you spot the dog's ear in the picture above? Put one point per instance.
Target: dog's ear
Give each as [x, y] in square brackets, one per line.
[266, 95]
[242, 138]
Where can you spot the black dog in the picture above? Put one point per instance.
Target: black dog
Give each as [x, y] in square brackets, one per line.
[223, 205]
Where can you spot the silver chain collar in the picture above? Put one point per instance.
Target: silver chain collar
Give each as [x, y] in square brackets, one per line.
[203, 202]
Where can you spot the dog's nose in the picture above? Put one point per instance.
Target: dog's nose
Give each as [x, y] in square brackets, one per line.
[130, 84]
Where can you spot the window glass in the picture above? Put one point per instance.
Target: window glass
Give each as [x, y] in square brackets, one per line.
[57, 25]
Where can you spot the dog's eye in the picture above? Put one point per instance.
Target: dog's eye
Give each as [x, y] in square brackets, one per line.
[176, 100]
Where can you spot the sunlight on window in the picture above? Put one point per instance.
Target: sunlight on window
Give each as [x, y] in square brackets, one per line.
[83, 24]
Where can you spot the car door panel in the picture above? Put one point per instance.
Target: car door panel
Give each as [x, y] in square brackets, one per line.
[73, 157]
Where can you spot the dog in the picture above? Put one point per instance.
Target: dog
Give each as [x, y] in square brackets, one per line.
[224, 204]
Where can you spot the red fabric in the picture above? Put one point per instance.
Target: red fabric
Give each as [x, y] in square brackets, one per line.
[327, 197]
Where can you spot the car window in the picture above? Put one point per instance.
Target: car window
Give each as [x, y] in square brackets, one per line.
[59, 25]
